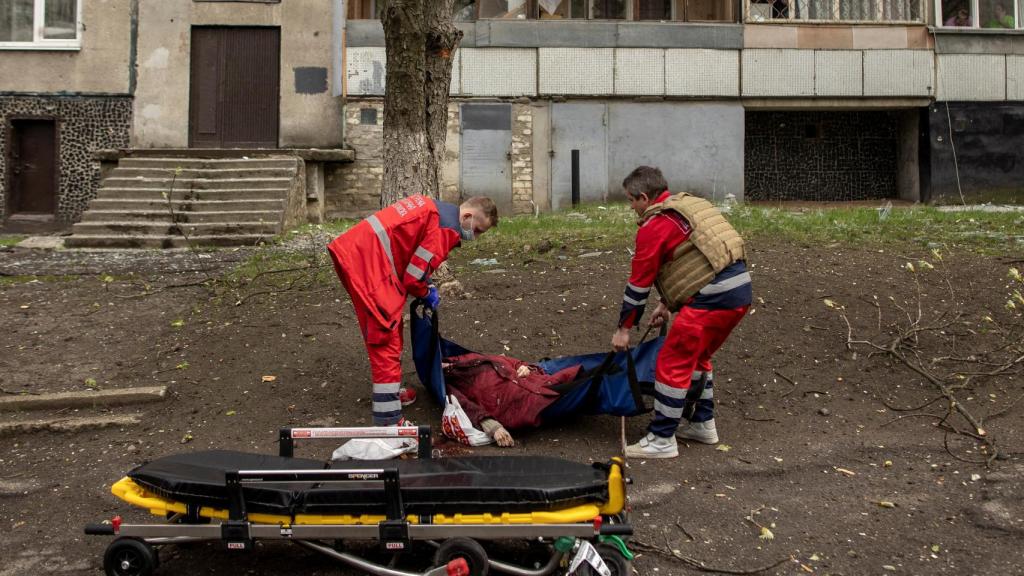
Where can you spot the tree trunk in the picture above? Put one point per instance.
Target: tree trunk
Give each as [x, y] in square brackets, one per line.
[420, 40]
[443, 39]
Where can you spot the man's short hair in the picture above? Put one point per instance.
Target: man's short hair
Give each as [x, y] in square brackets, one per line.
[645, 180]
[484, 205]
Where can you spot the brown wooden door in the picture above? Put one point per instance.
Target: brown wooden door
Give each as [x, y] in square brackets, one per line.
[235, 87]
[33, 166]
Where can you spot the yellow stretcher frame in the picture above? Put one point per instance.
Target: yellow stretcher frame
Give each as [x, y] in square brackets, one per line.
[126, 489]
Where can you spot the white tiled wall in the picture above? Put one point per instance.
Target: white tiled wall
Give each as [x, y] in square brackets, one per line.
[972, 77]
[582, 71]
[639, 71]
[838, 73]
[1015, 77]
[899, 73]
[499, 71]
[699, 72]
[773, 72]
[365, 71]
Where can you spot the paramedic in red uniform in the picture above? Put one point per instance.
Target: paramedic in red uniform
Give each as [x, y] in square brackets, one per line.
[391, 255]
[686, 248]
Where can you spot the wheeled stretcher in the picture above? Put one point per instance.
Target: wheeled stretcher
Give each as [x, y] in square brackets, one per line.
[578, 512]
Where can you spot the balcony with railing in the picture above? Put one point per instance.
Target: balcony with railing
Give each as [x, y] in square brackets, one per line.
[555, 10]
[837, 11]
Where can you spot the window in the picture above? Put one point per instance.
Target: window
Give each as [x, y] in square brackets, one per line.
[516, 9]
[989, 14]
[364, 9]
[40, 24]
[594, 9]
[910, 11]
[705, 10]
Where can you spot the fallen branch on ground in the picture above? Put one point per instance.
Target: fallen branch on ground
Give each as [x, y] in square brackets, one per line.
[699, 565]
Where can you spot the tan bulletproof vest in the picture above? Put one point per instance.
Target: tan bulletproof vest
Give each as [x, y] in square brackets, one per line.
[712, 246]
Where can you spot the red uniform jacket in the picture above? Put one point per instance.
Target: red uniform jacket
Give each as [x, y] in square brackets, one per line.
[487, 387]
[392, 253]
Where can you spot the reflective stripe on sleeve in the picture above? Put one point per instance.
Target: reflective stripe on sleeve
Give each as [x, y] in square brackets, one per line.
[385, 242]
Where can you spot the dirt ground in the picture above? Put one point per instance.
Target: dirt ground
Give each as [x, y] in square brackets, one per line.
[814, 454]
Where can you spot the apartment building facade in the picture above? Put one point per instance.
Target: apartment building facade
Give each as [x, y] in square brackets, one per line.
[761, 99]
[758, 99]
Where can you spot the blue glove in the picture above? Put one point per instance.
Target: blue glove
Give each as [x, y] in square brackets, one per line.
[432, 299]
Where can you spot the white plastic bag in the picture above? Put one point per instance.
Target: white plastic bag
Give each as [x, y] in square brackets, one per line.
[375, 448]
[455, 424]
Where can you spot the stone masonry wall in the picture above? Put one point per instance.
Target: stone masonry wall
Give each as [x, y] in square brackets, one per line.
[353, 190]
[84, 124]
[522, 159]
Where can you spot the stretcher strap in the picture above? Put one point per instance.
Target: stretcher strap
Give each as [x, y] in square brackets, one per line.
[634, 385]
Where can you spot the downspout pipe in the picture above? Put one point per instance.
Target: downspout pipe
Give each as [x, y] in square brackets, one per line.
[338, 58]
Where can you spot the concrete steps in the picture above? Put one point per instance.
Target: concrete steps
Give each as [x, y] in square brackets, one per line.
[182, 217]
[182, 205]
[159, 241]
[154, 202]
[184, 195]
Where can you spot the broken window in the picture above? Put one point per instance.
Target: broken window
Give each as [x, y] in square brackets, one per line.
[39, 24]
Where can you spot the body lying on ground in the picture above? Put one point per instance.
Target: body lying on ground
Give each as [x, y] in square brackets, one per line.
[499, 393]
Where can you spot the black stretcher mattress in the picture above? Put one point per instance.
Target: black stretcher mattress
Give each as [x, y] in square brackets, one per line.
[442, 486]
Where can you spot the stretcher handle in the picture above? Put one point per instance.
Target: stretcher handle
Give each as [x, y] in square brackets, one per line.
[99, 529]
[288, 436]
[616, 530]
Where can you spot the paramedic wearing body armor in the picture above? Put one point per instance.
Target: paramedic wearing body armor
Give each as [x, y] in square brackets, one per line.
[686, 248]
[388, 256]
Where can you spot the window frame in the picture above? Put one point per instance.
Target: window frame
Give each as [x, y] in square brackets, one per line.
[792, 18]
[38, 42]
[975, 5]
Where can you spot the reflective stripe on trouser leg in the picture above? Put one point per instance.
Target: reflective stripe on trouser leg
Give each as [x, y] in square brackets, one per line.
[386, 369]
[387, 408]
[705, 409]
[668, 409]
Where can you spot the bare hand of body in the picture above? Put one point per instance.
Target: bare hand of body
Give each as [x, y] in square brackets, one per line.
[522, 371]
[503, 438]
[495, 430]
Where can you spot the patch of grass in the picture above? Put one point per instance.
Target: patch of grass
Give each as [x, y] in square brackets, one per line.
[10, 240]
[984, 232]
[26, 278]
[612, 226]
[265, 260]
[586, 228]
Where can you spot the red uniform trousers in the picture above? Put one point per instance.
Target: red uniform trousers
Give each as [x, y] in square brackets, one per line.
[685, 358]
[384, 349]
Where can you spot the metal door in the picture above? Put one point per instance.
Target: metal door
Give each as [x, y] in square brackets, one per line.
[583, 127]
[486, 155]
[32, 161]
[235, 87]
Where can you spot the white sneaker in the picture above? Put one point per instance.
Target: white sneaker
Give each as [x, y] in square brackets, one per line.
[703, 432]
[652, 446]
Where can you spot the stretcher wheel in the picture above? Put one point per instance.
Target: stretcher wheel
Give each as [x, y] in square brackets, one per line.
[466, 548]
[130, 557]
[613, 559]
